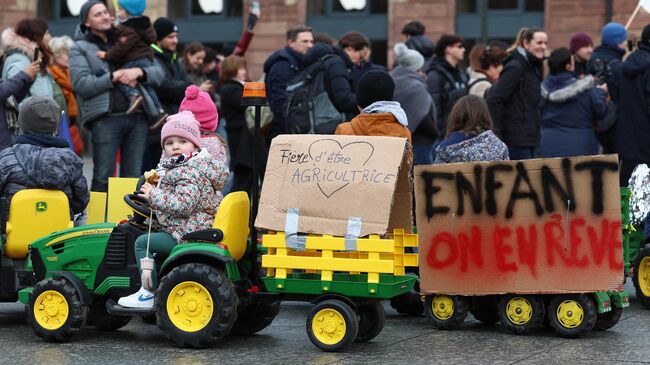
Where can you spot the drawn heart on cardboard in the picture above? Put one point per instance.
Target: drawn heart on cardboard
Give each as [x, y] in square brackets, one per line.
[359, 153]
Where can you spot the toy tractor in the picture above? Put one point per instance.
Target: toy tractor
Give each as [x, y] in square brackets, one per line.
[636, 252]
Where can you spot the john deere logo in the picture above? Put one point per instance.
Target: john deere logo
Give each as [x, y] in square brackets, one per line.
[41, 206]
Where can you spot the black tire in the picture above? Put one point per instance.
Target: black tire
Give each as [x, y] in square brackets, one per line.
[221, 298]
[372, 319]
[572, 325]
[150, 319]
[72, 313]
[410, 303]
[342, 318]
[255, 317]
[453, 317]
[104, 321]
[485, 315]
[641, 277]
[605, 321]
[521, 314]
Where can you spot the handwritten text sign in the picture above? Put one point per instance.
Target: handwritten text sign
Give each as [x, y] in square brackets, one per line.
[547, 225]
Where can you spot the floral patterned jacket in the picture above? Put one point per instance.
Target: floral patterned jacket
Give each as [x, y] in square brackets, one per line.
[187, 196]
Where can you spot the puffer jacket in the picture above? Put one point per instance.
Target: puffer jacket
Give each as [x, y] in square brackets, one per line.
[46, 162]
[447, 84]
[134, 38]
[16, 86]
[464, 147]
[91, 77]
[186, 198]
[19, 53]
[282, 66]
[382, 118]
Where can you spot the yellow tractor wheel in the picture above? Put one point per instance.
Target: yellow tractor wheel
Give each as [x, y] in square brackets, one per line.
[446, 312]
[572, 315]
[641, 277]
[332, 325]
[521, 314]
[54, 310]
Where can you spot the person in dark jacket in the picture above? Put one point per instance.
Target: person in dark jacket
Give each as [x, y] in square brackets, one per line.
[447, 80]
[514, 100]
[338, 82]
[282, 66]
[18, 87]
[570, 108]
[357, 48]
[633, 99]
[582, 48]
[415, 38]
[604, 63]
[40, 159]
[240, 139]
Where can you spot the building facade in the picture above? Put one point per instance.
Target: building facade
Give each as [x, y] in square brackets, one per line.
[219, 23]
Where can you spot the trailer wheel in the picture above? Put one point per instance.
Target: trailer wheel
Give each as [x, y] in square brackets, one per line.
[446, 312]
[641, 277]
[409, 303]
[255, 317]
[520, 314]
[371, 321]
[605, 321]
[572, 315]
[332, 325]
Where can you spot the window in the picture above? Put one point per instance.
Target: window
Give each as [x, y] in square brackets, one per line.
[330, 7]
[466, 6]
[201, 8]
[502, 4]
[534, 5]
[59, 10]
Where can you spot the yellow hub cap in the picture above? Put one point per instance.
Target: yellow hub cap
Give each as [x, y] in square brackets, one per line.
[328, 326]
[442, 307]
[570, 314]
[519, 311]
[644, 276]
[51, 310]
[190, 306]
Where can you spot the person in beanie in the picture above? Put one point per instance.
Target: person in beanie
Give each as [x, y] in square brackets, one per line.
[582, 47]
[102, 106]
[134, 36]
[41, 160]
[412, 93]
[380, 115]
[184, 198]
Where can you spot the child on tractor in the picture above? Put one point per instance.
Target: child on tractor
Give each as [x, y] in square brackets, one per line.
[185, 198]
[40, 159]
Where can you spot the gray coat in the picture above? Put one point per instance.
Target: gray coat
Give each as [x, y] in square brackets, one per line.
[91, 78]
[19, 52]
[18, 86]
[25, 166]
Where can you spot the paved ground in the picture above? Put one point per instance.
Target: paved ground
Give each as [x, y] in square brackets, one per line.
[403, 341]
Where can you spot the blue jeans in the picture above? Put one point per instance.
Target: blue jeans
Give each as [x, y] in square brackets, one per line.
[422, 154]
[132, 91]
[521, 153]
[127, 133]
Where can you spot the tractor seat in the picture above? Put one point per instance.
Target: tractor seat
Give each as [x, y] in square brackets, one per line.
[232, 220]
[33, 214]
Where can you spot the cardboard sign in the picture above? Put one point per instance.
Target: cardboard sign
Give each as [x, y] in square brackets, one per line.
[534, 226]
[330, 179]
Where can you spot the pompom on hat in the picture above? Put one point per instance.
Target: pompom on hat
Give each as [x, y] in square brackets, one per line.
[408, 58]
[183, 124]
[201, 105]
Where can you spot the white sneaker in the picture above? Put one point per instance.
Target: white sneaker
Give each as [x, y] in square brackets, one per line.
[143, 298]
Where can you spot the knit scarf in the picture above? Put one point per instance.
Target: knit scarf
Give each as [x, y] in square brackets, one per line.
[62, 77]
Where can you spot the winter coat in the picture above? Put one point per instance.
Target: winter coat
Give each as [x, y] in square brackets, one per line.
[91, 78]
[19, 53]
[337, 77]
[240, 138]
[412, 93]
[464, 147]
[378, 119]
[514, 100]
[172, 91]
[478, 84]
[134, 37]
[186, 198]
[422, 44]
[570, 109]
[282, 66]
[447, 84]
[363, 68]
[61, 76]
[43, 162]
[633, 127]
[18, 87]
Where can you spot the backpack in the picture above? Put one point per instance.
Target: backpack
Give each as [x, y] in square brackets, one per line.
[481, 79]
[309, 109]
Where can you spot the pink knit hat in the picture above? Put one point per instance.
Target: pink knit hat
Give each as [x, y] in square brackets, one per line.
[183, 125]
[200, 103]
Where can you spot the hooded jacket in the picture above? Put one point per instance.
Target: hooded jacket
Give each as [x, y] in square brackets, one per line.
[19, 53]
[570, 109]
[282, 66]
[134, 37]
[337, 76]
[412, 93]
[378, 119]
[186, 198]
[172, 91]
[633, 127]
[464, 147]
[447, 84]
[45, 162]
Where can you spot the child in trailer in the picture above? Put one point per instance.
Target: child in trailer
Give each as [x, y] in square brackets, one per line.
[185, 198]
[135, 34]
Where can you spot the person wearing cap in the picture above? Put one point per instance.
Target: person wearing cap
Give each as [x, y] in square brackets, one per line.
[412, 92]
[102, 106]
[582, 47]
[633, 99]
[40, 159]
[380, 114]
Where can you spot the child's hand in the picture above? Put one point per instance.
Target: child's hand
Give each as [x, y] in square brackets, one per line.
[145, 190]
[101, 54]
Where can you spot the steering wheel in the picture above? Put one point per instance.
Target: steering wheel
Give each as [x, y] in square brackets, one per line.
[139, 204]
